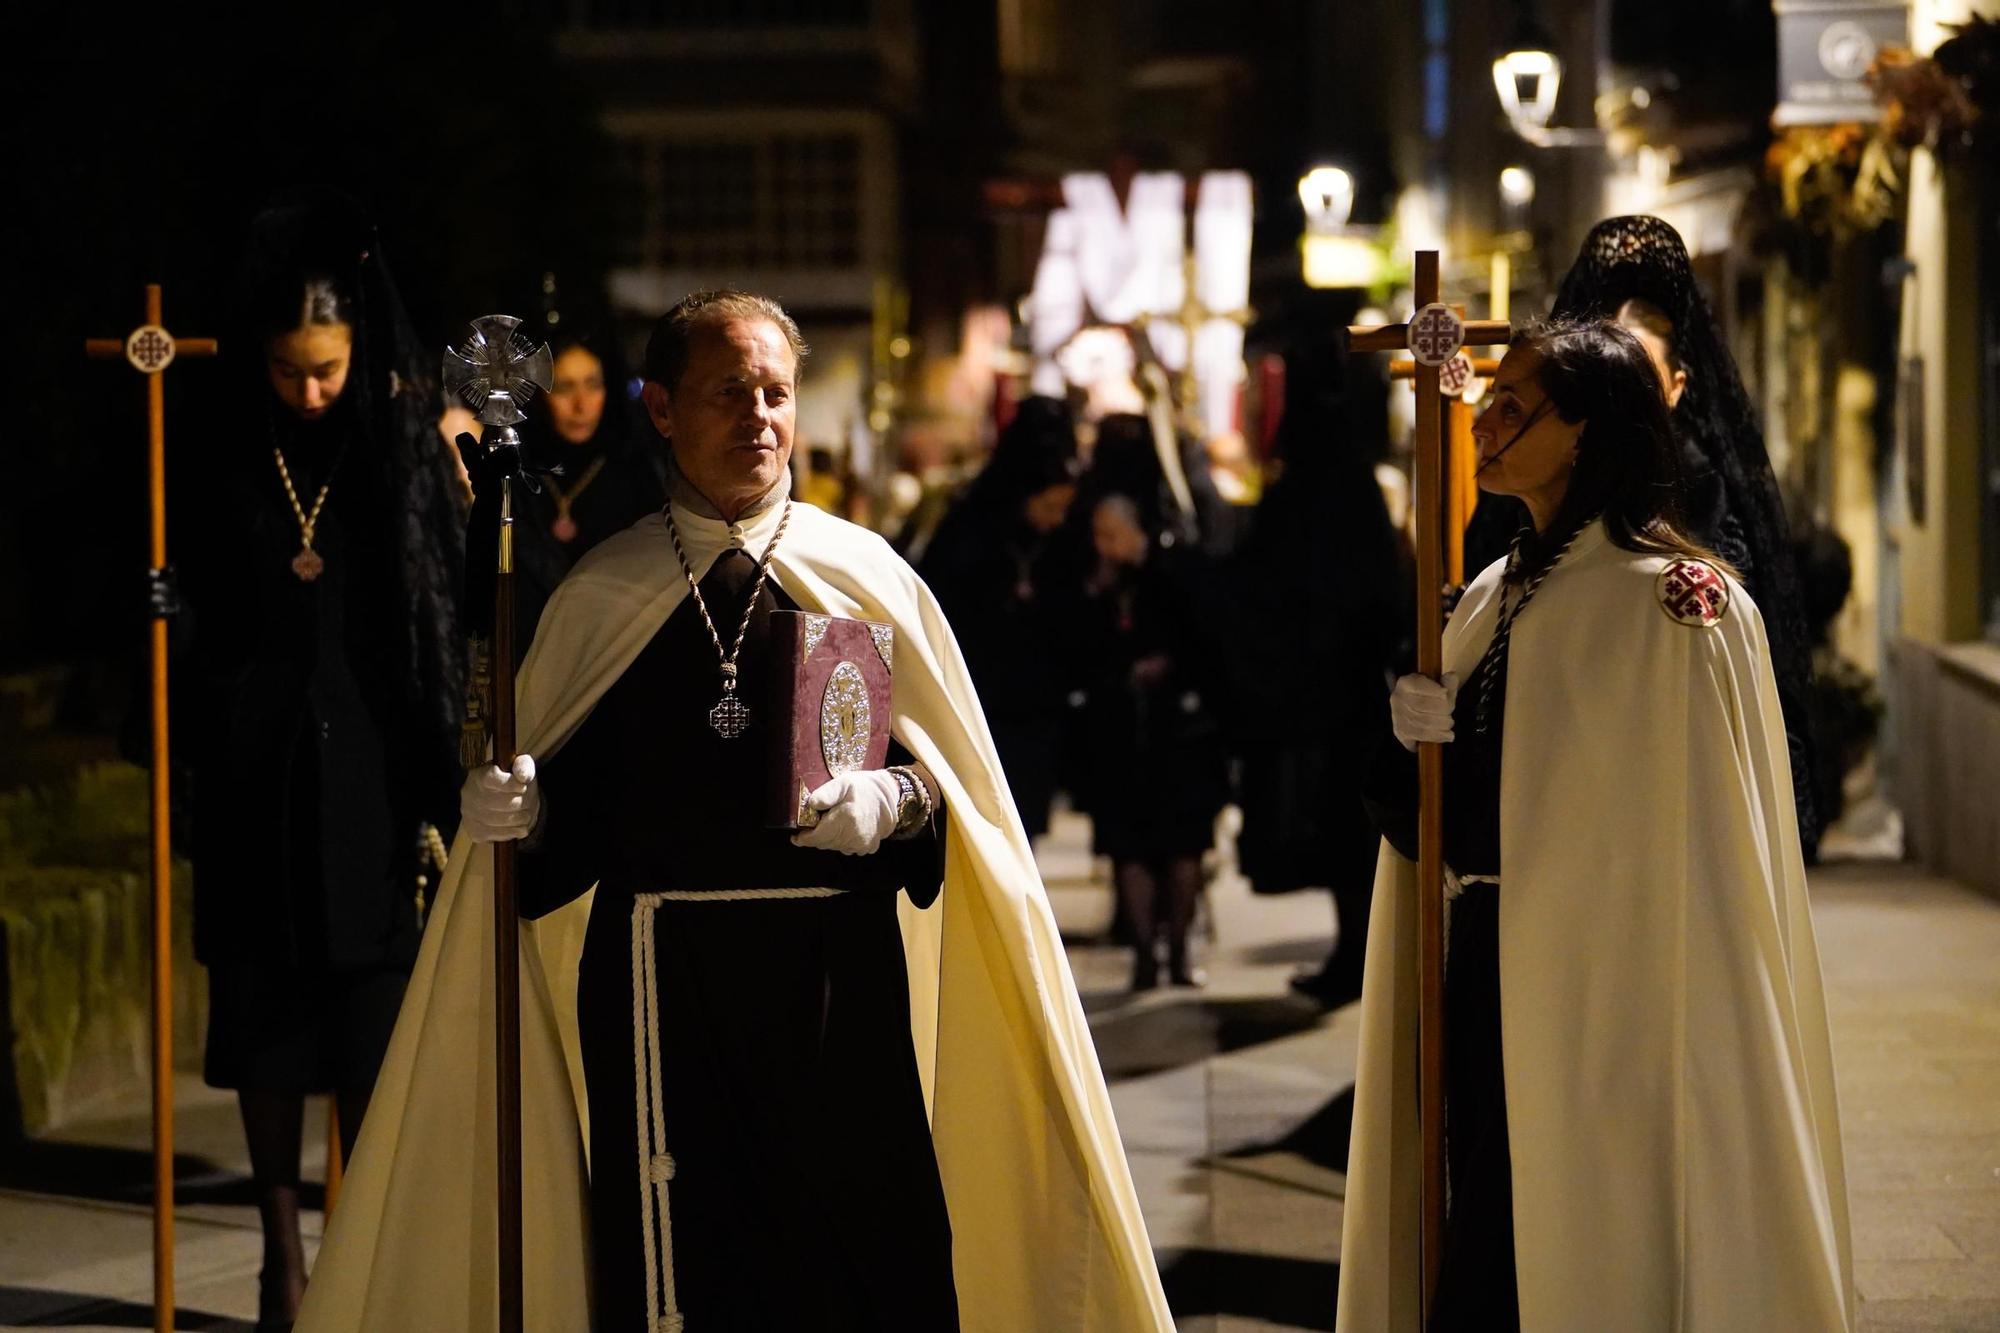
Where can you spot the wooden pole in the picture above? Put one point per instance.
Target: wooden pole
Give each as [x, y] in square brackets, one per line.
[163, 860]
[150, 350]
[1463, 494]
[506, 940]
[1428, 444]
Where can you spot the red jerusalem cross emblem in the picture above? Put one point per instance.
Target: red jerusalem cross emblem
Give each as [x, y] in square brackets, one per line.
[1436, 334]
[1693, 592]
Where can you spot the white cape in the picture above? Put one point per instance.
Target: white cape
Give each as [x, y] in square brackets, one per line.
[1046, 1229]
[1675, 1138]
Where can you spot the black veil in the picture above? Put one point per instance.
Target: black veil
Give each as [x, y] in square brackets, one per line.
[1643, 258]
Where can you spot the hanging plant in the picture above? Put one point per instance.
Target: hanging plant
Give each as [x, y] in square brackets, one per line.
[1836, 180]
[1941, 102]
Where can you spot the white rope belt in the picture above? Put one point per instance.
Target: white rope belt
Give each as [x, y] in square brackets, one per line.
[656, 1164]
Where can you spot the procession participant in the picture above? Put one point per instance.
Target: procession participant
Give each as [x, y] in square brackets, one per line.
[752, 1042]
[1636, 270]
[586, 423]
[1641, 1128]
[1158, 775]
[1001, 570]
[320, 578]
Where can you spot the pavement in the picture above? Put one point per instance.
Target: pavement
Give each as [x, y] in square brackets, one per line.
[1233, 1101]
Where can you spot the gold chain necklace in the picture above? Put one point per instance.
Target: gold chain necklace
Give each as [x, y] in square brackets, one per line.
[564, 527]
[731, 716]
[307, 564]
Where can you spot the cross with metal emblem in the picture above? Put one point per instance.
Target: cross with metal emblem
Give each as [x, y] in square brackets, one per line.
[1434, 335]
[1456, 380]
[150, 349]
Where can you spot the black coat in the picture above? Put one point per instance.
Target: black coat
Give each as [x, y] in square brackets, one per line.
[314, 767]
[1011, 593]
[1318, 599]
[1157, 768]
[624, 490]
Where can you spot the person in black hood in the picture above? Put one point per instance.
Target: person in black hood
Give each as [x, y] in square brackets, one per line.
[328, 679]
[1009, 582]
[1318, 597]
[585, 423]
[1636, 271]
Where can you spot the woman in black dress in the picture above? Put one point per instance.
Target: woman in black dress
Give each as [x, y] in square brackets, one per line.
[1157, 774]
[329, 680]
[1005, 575]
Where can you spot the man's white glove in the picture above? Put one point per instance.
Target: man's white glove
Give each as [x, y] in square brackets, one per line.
[497, 806]
[857, 811]
[1420, 709]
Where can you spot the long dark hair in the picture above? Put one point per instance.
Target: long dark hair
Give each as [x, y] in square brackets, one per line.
[1627, 464]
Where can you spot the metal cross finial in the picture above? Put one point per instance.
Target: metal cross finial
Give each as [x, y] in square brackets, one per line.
[497, 369]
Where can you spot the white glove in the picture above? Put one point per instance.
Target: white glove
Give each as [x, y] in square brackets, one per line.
[497, 806]
[858, 810]
[1420, 709]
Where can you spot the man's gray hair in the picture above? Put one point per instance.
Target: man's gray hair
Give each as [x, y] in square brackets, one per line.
[667, 347]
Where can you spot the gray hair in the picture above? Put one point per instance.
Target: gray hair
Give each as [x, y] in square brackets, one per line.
[667, 347]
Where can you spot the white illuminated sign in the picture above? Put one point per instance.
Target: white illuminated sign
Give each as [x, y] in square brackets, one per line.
[1129, 267]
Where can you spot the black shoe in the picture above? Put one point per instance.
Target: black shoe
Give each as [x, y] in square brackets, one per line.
[1145, 973]
[1182, 975]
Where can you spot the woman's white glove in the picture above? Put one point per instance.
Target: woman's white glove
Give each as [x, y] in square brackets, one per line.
[857, 811]
[1420, 709]
[497, 806]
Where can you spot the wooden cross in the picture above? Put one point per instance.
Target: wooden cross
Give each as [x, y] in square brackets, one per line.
[1461, 471]
[150, 349]
[1433, 336]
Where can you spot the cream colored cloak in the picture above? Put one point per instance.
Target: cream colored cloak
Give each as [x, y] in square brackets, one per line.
[1675, 1139]
[1046, 1229]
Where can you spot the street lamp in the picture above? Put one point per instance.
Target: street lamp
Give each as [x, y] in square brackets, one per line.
[1528, 77]
[1327, 195]
[1528, 74]
[1331, 253]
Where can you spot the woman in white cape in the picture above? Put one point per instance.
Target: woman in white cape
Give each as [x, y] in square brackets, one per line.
[1642, 1131]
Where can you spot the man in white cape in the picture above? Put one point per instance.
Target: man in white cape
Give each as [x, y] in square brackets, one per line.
[1045, 1229]
[1674, 1134]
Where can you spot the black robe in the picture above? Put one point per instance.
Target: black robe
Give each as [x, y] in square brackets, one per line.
[1158, 767]
[806, 1193]
[1478, 1290]
[1011, 592]
[313, 770]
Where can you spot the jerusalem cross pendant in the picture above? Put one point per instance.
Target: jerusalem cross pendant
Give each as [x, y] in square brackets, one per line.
[730, 717]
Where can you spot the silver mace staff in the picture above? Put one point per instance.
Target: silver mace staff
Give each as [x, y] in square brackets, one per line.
[495, 371]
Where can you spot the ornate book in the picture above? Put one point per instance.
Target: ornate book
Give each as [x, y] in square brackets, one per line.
[830, 688]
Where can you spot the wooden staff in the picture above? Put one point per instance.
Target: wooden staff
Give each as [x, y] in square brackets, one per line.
[495, 372]
[1433, 336]
[150, 349]
[507, 934]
